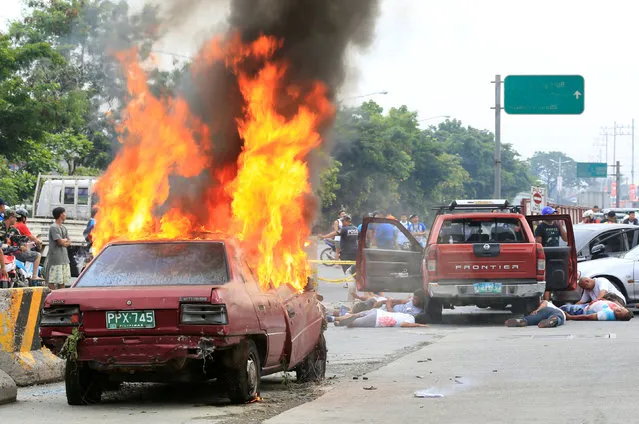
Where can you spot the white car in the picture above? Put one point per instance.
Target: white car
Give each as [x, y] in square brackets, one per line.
[623, 272]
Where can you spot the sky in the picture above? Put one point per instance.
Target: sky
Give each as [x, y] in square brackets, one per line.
[439, 58]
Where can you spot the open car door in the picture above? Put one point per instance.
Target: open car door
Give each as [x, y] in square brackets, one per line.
[388, 257]
[561, 260]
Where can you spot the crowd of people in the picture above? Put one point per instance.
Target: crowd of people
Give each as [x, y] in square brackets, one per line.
[18, 240]
[590, 217]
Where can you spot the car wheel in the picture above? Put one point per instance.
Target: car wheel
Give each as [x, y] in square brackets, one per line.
[434, 310]
[524, 306]
[313, 367]
[244, 373]
[83, 385]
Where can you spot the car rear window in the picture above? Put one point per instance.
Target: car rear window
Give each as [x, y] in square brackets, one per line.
[497, 230]
[158, 264]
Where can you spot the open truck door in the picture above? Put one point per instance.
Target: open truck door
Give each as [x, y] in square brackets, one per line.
[389, 258]
[561, 260]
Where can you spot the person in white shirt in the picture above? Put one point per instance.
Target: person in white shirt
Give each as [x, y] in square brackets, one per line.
[599, 288]
[376, 318]
[546, 315]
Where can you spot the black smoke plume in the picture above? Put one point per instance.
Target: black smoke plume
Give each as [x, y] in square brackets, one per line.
[316, 36]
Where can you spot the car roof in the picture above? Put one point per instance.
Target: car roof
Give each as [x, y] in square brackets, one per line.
[470, 215]
[167, 241]
[600, 227]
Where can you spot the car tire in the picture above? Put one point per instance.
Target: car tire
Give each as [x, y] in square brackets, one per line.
[433, 310]
[244, 372]
[83, 385]
[313, 367]
[524, 306]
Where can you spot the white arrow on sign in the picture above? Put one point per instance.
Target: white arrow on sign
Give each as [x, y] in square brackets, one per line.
[577, 94]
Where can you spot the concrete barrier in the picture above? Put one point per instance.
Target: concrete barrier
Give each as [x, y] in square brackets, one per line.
[8, 388]
[22, 356]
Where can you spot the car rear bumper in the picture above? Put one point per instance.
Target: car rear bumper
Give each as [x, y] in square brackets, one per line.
[456, 292]
[115, 352]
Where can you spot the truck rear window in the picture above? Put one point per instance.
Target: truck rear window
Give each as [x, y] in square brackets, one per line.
[498, 230]
[158, 264]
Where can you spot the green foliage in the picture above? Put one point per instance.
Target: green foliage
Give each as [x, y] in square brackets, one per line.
[545, 166]
[389, 163]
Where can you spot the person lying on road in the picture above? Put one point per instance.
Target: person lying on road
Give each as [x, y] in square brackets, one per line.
[376, 318]
[598, 310]
[412, 305]
[599, 288]
[546, 315]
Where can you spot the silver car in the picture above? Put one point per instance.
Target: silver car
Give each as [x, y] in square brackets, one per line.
[611, 240]
[599, 249]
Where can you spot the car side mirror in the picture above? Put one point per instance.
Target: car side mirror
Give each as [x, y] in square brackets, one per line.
[597, 249]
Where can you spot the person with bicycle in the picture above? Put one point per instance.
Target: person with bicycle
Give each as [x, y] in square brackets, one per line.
[347, 248]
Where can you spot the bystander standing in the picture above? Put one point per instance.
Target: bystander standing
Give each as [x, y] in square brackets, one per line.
[58, 269]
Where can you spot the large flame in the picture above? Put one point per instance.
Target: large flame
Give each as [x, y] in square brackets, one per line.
[260, 201]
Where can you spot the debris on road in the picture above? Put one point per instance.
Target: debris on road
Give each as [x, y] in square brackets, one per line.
[427, 394]
[370, 388]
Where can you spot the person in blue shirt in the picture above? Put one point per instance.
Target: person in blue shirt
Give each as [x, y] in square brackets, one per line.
[417, 229]
[3, 206]
[385, 234]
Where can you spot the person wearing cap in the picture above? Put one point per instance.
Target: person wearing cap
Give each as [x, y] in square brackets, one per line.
[632, 219]
[587, 217]
[549, 233]
[611, 217]
[7, 229]
[27, 255]
[347, 248]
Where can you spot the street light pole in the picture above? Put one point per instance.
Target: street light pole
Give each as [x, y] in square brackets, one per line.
[497, 108]
[433, 117]
[383, 92]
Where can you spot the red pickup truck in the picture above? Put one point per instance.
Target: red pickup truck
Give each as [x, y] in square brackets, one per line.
[484, 255]
[180, 311]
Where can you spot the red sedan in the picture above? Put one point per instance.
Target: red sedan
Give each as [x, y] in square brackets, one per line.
[180, 311]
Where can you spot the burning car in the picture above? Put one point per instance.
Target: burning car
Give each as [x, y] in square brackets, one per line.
[180, 311]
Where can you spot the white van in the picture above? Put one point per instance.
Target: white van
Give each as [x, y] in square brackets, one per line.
[75, 194]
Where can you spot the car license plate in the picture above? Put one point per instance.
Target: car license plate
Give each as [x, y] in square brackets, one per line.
[130, 319]
[487, 287]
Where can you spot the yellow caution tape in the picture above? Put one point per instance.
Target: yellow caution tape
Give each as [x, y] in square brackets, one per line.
[313, 261]
[341, 280]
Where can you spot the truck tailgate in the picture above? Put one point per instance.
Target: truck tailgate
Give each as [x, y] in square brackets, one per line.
[484, 261]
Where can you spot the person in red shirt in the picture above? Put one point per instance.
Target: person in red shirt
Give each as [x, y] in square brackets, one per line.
[28, 255]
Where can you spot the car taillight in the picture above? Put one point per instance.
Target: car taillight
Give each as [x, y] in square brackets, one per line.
[541, 263]
[431, 258]
[202, 314]
[59, 316]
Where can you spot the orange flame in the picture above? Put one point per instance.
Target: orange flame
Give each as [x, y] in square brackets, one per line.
[261, 200]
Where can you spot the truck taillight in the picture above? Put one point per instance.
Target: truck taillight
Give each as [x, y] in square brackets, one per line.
[541, 263]
[60, 316]
[431, 259]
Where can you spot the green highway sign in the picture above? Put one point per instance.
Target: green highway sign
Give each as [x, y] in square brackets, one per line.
[544, 94]
[592, 170]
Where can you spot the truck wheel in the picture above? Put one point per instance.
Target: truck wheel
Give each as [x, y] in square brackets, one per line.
[83, 385]
[244, 373]
[434, 310]
[313, 367]
[524, 306]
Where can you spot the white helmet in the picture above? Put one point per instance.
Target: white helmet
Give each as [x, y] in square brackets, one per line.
[588, 214]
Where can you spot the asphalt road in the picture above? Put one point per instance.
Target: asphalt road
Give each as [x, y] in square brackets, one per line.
[355, 356]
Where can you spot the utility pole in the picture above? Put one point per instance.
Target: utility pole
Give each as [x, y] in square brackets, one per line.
[498, 109]
[618, 130]
[617, 174]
